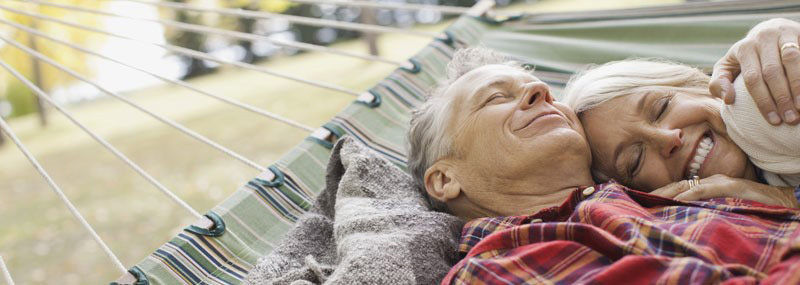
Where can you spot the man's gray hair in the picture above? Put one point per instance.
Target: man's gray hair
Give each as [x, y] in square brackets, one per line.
[596, 85]
[428, 137]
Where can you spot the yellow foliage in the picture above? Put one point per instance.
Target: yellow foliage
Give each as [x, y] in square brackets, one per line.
[71, 58]
[274, 6]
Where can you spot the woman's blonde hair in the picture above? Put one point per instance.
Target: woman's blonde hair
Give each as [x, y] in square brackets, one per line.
[598, 84]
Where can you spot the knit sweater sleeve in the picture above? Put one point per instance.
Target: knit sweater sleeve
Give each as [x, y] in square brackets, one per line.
[774, 149]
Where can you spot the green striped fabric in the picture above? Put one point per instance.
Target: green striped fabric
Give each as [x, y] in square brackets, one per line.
[259, 213]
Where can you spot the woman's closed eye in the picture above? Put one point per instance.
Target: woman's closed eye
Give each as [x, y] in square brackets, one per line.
[662, 106]
[635, 164]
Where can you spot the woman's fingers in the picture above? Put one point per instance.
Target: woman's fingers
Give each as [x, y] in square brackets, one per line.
[754, 76]
[718, 186]
[775, 77]
[725, 70]
[673, 189]
[790, 57]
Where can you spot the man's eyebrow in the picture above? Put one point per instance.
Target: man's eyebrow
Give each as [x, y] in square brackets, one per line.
[495, 82]
[476, 99]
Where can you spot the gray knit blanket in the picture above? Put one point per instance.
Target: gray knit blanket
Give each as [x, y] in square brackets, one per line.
[368, 226]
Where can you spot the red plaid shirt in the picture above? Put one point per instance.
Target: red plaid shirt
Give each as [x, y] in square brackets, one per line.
[615, 235]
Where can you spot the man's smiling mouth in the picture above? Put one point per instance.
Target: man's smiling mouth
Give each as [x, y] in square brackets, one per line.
[543, 114]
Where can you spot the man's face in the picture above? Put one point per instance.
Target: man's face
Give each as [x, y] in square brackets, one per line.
[507, 131]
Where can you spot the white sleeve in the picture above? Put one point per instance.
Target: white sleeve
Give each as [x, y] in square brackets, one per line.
[772, 148]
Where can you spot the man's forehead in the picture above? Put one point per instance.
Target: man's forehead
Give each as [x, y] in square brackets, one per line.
[486, 75]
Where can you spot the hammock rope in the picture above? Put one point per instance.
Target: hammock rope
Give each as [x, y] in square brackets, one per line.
[189, 52]
[100, 140]
[75, 213]
[6, 273]
[164, 120]
[226, 33]
[444, 9]
[294, 19]
[181, 83]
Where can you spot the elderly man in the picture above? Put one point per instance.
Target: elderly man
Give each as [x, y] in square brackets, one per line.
[492, 142]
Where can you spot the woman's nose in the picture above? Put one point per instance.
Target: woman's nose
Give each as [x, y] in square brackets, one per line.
[669, 141]
[536, 92]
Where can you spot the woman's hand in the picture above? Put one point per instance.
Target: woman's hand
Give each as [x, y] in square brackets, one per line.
[721, 186]
[768, 58]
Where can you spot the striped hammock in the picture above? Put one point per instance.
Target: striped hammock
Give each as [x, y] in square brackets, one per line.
[251, 222]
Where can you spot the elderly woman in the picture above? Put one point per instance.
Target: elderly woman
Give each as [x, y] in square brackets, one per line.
[652, 122]
[491, 141]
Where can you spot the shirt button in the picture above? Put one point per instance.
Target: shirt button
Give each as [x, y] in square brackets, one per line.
[588, 191]
[536, 221]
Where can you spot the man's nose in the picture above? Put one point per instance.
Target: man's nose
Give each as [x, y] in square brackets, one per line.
[536, 92]
[668, 141]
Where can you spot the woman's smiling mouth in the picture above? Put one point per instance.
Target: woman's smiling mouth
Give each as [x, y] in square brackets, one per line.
[701, 154]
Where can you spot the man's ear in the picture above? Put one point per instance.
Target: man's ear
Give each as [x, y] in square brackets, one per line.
[440, 181]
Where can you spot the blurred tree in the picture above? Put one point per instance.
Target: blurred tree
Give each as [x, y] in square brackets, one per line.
[248, 25]
[188, 39]
[21, 99]
[202, 42]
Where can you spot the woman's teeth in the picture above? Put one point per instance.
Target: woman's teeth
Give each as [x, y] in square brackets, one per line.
[700, 155]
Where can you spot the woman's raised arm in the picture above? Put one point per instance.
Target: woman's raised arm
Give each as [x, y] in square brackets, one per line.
[768, 58]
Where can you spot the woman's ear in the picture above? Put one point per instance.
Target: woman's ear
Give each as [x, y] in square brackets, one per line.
[440, 182]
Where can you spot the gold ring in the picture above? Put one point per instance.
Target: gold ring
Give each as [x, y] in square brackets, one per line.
[789, 45]
[694, 182]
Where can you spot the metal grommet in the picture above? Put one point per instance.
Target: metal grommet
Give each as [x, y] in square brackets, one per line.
[588, 191]
[370, 99]
[210, 224]
[134, 276]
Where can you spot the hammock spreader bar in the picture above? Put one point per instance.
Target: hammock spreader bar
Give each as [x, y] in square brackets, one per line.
[181, 83]
[189, 52]
[290, 18]
[57, 190]
[226, 33]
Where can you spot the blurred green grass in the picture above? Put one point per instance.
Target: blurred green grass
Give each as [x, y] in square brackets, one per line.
[42, 243]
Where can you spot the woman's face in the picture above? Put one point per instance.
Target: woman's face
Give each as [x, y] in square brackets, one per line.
[651, 139]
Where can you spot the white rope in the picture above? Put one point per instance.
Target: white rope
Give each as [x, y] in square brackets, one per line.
[222, 32]
[6, 273]
[173, 81]
[100, 140]
[137, 106]
[188, 52]
[390, 5]
[290, 18]
[53, 185]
